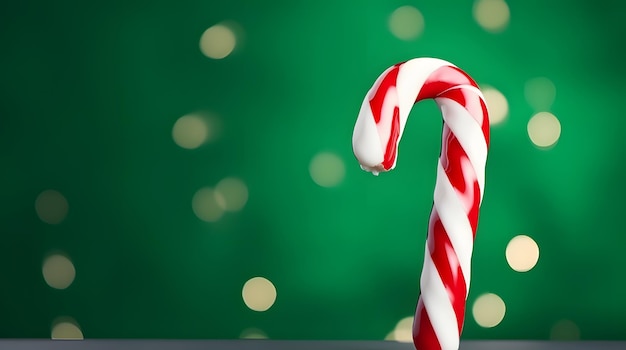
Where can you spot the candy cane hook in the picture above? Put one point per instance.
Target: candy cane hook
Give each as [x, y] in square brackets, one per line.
[445, 279]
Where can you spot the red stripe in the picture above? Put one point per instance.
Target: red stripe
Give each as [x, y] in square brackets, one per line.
[443, 79]
[376, 103]
[485, 122]
[424, 337]
[450, 158]
[392, 144]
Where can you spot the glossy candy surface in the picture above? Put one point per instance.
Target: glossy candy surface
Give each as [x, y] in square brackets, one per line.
[445, 279]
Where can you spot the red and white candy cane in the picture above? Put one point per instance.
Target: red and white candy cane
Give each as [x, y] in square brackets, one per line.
[445, 279]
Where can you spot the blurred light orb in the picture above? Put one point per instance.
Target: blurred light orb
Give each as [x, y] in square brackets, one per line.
[66, 328]
[403, 332]
[218, 41]
[51, 207]
[565, 330]
[58, 271]
[406, 23]
[253, 333]
[544, 129]
[190, 131]
[233, 194]
[492, 15]
[327, 169]
[522, 253]
[259, 294]
[497, 105]
[206, 204]
[488, 310]
[540, 93]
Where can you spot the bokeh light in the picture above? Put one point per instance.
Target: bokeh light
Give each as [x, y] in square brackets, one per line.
[206, 204]
[492, 15]
[218, 41]
[406, 23]
[544, 129]
[404, 330]
[259, 294]
[66, 328]
[190, 131]
[497, 105]
[540, 93]
[232, 194]
[58, 271]
[522, 253]
[327, 169]
[488, 310]
[51, 207]
[253, 333]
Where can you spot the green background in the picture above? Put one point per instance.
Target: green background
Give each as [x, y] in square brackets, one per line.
[90, 92]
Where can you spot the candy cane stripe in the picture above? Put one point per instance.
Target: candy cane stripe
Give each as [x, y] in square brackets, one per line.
[454, 220]
[424, 327]
[437, 306]
[469, 134]
[449, 269]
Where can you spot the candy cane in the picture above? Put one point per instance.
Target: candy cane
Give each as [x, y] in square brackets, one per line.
[445, 279]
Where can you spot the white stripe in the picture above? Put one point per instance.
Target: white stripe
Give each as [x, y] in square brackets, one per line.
[470, 136]
[438, 306]
[365, 139]
[411, 78]
[455, 221]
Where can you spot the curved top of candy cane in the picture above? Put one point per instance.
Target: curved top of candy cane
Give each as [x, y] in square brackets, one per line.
[387, 105]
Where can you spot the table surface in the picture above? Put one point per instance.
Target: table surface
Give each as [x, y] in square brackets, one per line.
[249, 344]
